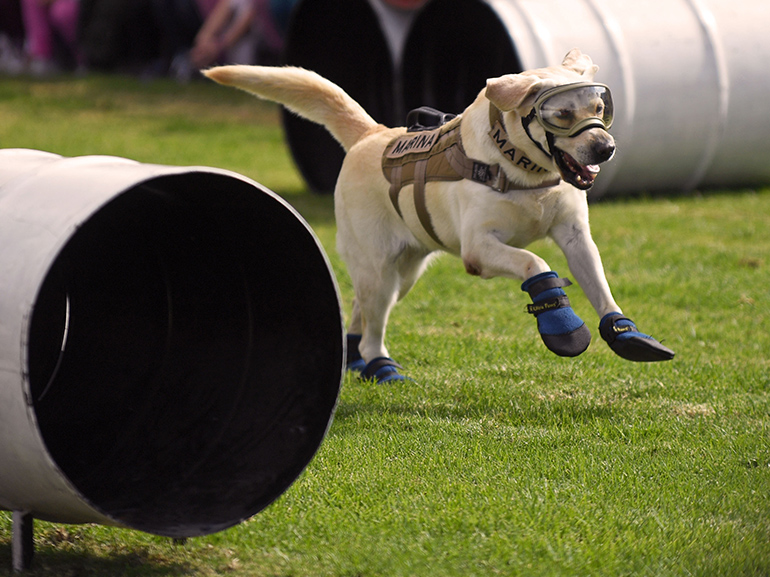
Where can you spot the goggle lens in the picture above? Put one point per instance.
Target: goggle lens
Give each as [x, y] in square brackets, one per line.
[571, 108]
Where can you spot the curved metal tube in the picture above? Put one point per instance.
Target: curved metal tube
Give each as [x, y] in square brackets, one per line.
[688, 76]
[171, 343]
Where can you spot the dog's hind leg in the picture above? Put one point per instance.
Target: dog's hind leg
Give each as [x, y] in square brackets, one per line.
[412, 262]
[355, 361]
[376, 294]
[410, 265]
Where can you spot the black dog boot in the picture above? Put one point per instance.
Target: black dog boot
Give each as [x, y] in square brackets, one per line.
[354, 361]
[383, 370]
[380, 370]
[562, 331]
[626, 341]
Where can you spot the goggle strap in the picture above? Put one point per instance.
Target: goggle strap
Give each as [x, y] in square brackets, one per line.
[496, 115]
[525, 122]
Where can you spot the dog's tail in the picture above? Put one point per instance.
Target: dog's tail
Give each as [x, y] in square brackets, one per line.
[303, 92]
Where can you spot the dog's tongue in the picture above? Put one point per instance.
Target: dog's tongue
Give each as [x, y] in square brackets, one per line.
[587, 172]
[585, 175]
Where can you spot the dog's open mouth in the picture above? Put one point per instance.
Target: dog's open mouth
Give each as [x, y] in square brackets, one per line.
[575, 173]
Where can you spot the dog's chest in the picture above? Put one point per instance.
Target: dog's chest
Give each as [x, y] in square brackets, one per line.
[435, 171]
[520, 218]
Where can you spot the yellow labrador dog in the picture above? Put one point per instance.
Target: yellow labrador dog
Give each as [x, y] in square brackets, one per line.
[512, 168]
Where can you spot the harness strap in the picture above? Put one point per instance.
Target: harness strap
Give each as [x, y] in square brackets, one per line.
[438, 155]
[546, 284]
[395, 187]
[537, 309]
[420, 206]
[491, 175]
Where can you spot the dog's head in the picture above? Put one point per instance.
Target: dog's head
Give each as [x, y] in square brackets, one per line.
[560, 114]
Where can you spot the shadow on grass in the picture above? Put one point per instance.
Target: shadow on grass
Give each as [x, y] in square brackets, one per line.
[520, 410]
[49, 562]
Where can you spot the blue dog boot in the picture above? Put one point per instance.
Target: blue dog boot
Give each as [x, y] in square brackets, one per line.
[354, 361]
[562, 331]
[626, 341]
[383, 370]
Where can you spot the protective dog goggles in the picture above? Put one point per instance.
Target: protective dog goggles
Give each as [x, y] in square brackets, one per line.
[570, 109]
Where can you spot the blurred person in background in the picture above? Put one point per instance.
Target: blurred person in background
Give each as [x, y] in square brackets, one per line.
[243, 32]
[226, 35]
[151, 37]
[178, 22]
[272, 24]
[51, 28]
[196, 35]
[11, 37]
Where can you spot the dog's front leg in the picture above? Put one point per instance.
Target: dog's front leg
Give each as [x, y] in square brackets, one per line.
[487, 256]
[562, 331]
[585, 263]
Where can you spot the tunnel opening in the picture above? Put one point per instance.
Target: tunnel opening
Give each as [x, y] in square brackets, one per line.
[185, 354]
[453, 48]
[344, 42]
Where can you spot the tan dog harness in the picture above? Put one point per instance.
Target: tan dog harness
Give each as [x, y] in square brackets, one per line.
[438, 155]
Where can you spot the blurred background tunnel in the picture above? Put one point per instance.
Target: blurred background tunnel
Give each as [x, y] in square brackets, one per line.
[687, 75]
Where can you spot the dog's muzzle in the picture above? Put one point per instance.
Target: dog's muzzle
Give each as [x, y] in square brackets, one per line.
[568, 111]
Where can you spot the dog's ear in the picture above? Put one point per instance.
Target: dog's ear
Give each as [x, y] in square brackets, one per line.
[513, 91]
[581, 63]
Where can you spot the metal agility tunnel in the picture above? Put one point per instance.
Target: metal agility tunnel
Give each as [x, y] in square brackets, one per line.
[688, 76]
[171, 345]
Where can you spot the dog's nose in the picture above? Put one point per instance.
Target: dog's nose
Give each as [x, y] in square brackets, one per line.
[603, 150]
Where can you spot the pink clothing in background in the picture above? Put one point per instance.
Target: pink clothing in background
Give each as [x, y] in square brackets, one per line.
[43, 19]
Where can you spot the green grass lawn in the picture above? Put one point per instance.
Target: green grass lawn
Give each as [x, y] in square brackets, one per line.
[501, 458]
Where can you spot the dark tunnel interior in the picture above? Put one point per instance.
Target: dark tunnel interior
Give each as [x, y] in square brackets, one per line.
[320, 38]
[185, 354]
[452, 48]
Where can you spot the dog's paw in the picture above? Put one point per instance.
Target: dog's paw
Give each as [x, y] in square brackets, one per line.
[354, 362]
[383, 370]
[626, 341]
[356, 366]
[562, 331]
[570, 344]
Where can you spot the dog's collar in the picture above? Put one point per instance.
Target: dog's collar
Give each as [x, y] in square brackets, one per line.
[500, 138]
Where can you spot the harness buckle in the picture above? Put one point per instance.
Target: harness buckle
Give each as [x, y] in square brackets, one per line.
[427, 118]
[481, 172]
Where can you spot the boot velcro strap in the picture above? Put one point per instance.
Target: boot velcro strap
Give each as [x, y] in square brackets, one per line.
[549, 305]
[546, 284]
[609, 329]
[370, 370]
